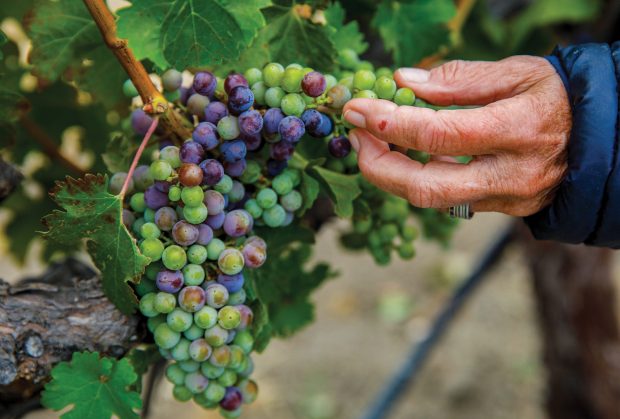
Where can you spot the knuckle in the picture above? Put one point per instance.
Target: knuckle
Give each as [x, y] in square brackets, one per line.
[448, 72]
[420, 194]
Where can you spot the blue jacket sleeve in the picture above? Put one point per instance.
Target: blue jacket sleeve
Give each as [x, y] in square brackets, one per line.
[586, 208]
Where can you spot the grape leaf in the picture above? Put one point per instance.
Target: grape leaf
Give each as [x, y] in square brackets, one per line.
[342, 189]
[294, 39]
[247, 15]
[344, 35]
[96, 387]
[198, 33]
[414, 30]
[140, 24]
[141, 359]
[94, 214]
[119, 153]
[309, 191]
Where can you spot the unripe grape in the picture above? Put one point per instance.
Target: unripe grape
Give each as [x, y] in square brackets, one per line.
[206, 317]
[338, 96]
[149, 231]
[348, 58]
[364, 80]
[244, 340]
[196, 382]
[215, 247]
[200, 350]
[220, 357]
[174, 257]
[216, 295]
[228, 127]
[161, 170]
[147, 305]
[170, 154]
[196, 104]
[152, 248]
[164, 302]
[272, 74]
[291, 80]
[385, 88]
[192, 298]
[229, 317]
[181, 393]
[237, 297]
[215, 392]
[116, 183]
[273, 96]
[253, 75]
[165, 337]
[247, 316]
[249, 390]
[406, 251]
[144, 287]
[165, 218]
[211, 371]
[404, 97]
[193, 274]
[365, 94]
[216, 336]
[259, 89]
[197, 214]
[230, 261]
[189, 366]
[181, 350]
[179, 320]
[194, 332]
[274, 216]
[175, 374]
[129, 89]
[227, 379]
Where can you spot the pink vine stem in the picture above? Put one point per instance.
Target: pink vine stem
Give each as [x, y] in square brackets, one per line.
[136, 158]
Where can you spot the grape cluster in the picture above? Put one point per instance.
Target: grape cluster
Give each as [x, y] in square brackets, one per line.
[194, 208]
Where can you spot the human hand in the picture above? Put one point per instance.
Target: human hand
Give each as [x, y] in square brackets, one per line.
[518, 137]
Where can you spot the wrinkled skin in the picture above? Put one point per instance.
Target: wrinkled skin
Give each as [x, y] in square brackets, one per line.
[517, 135]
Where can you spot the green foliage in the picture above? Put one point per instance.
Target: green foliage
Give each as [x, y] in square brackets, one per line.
[141, 358]
[344, 35]
[93, 214]
[342, 189]
[96, 387]
[402, 22]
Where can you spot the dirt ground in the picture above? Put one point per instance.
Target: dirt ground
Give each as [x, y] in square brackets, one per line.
[487, 366]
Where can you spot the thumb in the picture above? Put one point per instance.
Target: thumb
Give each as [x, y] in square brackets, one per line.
[474, 82]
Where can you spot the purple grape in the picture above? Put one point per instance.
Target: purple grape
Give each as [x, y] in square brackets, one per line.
[128, 218]
[204, 83]
[214, 201]
[212, 170]
[184, 233]
[206, 135]
[165, 218]
[250, 122]
[232, 400]
[256, 241]
[254, 255]
[192, 298]
[233, 283]
[312, 119]
[291, 129]
[166, 142]
[238, 223]
[275, 167]
[235, 169]
[240, 99]
[185, 94]
[169, 281]
[140, 121]
[215, 111]
[216, 221]
[205, 234]
[155, 199]
[324, 128]
[142, 178]
[271, 120]
[233, 151]
[234, 80]
[313, 84]
[247, 315]
[191, 152]
[162, 186]
[282, 150]
[252, 142]
[339, 147]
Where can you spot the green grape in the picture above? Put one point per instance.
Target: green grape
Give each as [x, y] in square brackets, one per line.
[251, 173]
[193, 274]
[192, 196]
[348, 58]
[170, 154]
[215, 248]
[201, 400]
[272, 74]
[365, 65]
[362, 226]
[219, 88]
[181, 393]
[294, 175]
[229, 317]
[406, 251]
[231, 261]
[152, 270]
[147, 305]
[228, 414]
[149, 215]
[211, 371]
[216, 336]
[237, 297]
[189, 366]
[179, 320]
[259, 89]
[136, 202]
[282, 184]
[409, 233]
[129, 89]
[291, 80]
[384, 72]
[346, 82]
[194, 332]
[381, 256]
[294, 65]
[227, 379]
[180, 352]
[273, 96]
[253, 75]
[388, 232]
[215, 392]
[237, 356]
[244, 340]
[228, 127]
[195, 215]
[365, 94]
[175, 374]
[152, 248]
[338, 96]
[206, 317]
[197, 254]
[330, 81]
[220, 356]
[385, 88]
[364, 80]
[307, 99]
[174, 257]
[164, 302]
[293, 104]
[160, 170]
[150, 231]
[145, 286]
[404, 97]
[137, 225]
[274, 216]
[165, 337]
[267, 198]
[225, 185]
[292, 201]
[172, 96]
[252, 207]
[374, 239]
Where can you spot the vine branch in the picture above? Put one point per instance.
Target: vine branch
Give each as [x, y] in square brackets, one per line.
[154, 101]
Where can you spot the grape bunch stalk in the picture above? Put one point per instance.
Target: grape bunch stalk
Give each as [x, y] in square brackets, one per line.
[194, 208]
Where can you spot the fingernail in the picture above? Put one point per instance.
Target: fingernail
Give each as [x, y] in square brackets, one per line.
[415, 75]
[355, 118]
[355, 143]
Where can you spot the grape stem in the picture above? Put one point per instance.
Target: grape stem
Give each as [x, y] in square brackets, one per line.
[154, 102]
[136, 158]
